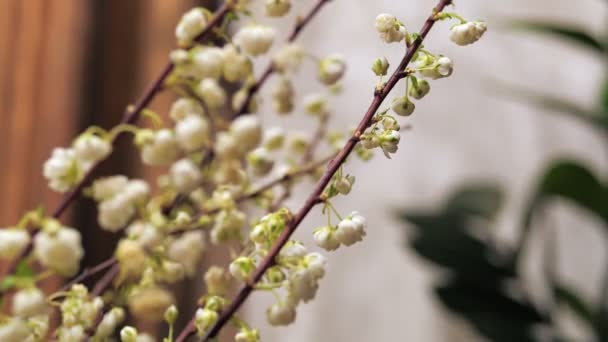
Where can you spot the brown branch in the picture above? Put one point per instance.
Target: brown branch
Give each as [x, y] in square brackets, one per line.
[88, 272]
[301, 23]
[313, 199]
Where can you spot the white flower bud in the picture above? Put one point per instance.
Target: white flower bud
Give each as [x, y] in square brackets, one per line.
[136, 192]
[370, 141]
[171, 314]
[260, 161]
[212, 93]
[150, 303]
[315, 104]
[403, 106]
[443, 67]
[283, 93]
[390, 124]
[128, 334]
[185, 107]
[247, 335]
[131, 258]
[316, 264]
[331, 69]
[345, 184]
[161, 150]
[192, 133]
[185, 175]
[277, 8]
[281, 314]
[380, 66]
[108, 187]
[351, 229]
[29, 302]
[239, 98]
[389, 142]
[12, 242]
[255, 39]
[274, 138]
[208, 62]
[242, 268]
[188, 250]
[303, 285]
[191, 24]
[247, 130]
[468, 33]
[390, 29]
[293, 249]
[421, 89]
[324, 238]
[179, 56]
[14, 329]
[90, 149]
[115, 213]
[61, 169]
[204, 319]
[108, 324]
[289, 57]
[217, 280]
[237, 67]
[228, 225]
[145, 234]
[60, 251]
[226, 146]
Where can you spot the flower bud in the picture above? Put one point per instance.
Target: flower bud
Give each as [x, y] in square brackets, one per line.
[211, 92]
[12, 242]
[351, 229]
[277, 8]
[62, 170]
[162, 149]
[185, 107]
[29, 302]
[217, 280]
[390, 124]
[171, 314]
[150, 303]
[247, 131]
[380, 66]
[128, 334]
[288, 58]
[260, 161]
[324, 238]
[131, 258]
[345, 184]
[185, 175]
[281, 314]
[273, 138]
[89, 149]
[390, 29]
[192, 132]
[187, 250]
[248, 335]
[60, 251]
[315, 104]
[207, 62]
[255, 39]
[237, 67]
[403, 106]
[468, 33]
[204, 319]
[191, 24]
[242, 268]
[331, 69]
[420, 89]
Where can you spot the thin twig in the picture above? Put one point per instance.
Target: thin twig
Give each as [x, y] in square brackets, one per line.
[88, 272]
[313, 199]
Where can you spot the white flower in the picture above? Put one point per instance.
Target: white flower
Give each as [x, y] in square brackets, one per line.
[403, 106]
[60, 251]
[345, 184]
[237, 67]
[226, 146]
[293, 249]
[12, 242]
[315, 264]
[90, 149]
[247, 335]
[191, 24]
[390, 124]
[443, 67]
[108, 187]
[260, 161]
[208, 62]
[315, 103]
[241, 268]
[369, 141]
[325, 238]
[192, 132]
[185, 107]
[247, 131]
[150, 304]
[217, 280]
[145, 234]
[115, 213]
[289, 57]
[187, 250]
[185, 175]
[212, 93]
[228, 225]
[351, 229]
[179, 56]
[29, 302]
[62, 170]
[282, 95]
[303, 285]
[421, 89]
[108, 323]
[239, 99]
[132, 258]
[71, 334]
[273, 138]
[277, 8]
[331, 69]
[380, 66]
[204, 319]
[255, 39]
[14, 329]
[468, 33]
[161, 150]
[137, 191]
[281, 314]
[390, 29]
[389, 142]
[128, 334]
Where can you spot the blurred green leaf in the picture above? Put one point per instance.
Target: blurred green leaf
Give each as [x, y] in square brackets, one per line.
[476, 200]
[23, 270]
[572, 181]
[570, 299]
[491, 312]
[570, 33]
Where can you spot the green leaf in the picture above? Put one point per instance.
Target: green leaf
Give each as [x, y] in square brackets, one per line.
[492, 313]
[571, 181]
[570, 299]
[476, 200]
[8, 283]
[23, 270]
[570, 33]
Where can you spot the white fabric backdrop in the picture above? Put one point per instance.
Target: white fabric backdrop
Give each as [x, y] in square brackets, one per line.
[376, 291]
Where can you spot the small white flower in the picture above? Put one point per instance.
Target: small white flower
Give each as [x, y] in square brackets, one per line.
[247, 335]
[255, 39]
[192, 132]
[131, 257]
[226, 146]
[420, 90]
[179, 56]
[14, 329]
[331, 69]
[303, 285]
[217, 280]
[188, 250]
[293, 249]
[108, 323]
[90, 149]
[390, 124]
[247, 130]
[108, 187]
[289, 57]
[60, 251]
[62, 170]
[191, 24]
[161, 150]
[242, 268]
[403, 106]
[351, 229]
[149, 304]
[281, 314]
[390, 29]
[389, 142]
[228, 225]
[443, 67]
[345, 184]
[29, 302]
[115, 213]
[380, 66]
[212, 93]
[274, 138]
[145, 234]
[315, 104]
[369, 141]
[137, 191]
[239, 99]
[282, 95]
[316, 264]
[325, 238]
[128, 334]
[185, 107]
[185, 175]
[237, 67]
[277, 8]
[204, 319]
[208, 62]
[468, 33]
[260, 161]
[12, 242]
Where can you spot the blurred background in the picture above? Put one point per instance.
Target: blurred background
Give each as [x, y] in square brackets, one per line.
[67, 64]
